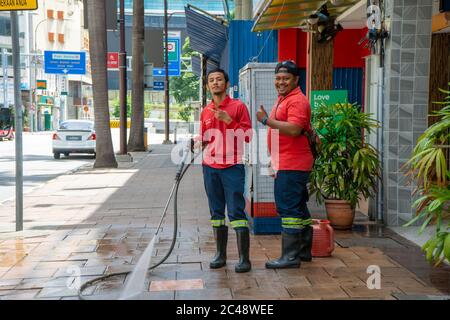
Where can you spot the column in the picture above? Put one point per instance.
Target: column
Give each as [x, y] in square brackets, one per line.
[406, 97]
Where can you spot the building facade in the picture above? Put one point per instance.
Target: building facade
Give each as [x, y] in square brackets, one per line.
[398, 84]
[58, 25]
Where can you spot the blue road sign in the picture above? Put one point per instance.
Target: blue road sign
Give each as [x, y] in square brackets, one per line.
[174, 60]
[65, 62]
[158, 85]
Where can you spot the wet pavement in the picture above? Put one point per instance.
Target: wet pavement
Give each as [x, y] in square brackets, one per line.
[92, 223]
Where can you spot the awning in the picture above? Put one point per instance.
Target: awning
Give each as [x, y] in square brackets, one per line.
[208, 34]
[279, 14]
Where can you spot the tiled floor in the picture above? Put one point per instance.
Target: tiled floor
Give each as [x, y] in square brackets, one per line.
[106, 228]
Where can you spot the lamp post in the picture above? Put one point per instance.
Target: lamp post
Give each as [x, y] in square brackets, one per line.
[166, 66]
[37, 122]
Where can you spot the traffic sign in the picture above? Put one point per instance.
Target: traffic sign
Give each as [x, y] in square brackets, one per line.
[15, 5]
[41, 84]
[113, 60]
[158, 85]
[174, 56]
[63, 85]
[65, 62]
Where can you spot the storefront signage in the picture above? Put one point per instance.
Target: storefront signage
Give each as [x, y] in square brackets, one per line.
[15, 5]
[328, 97]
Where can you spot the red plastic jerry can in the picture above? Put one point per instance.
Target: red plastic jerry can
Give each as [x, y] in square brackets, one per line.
[323, 238]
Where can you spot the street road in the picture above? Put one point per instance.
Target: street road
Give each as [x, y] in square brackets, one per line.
[39, 165]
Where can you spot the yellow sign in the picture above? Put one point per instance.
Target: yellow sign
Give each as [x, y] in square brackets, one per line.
[14, 5]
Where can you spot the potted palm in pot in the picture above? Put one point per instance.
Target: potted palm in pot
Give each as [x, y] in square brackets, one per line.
[429, 170]
[347, 167]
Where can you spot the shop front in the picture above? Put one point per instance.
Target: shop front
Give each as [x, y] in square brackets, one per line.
[389, 57]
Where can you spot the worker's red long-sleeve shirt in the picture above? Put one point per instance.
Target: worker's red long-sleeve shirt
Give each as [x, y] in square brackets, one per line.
[226, 142]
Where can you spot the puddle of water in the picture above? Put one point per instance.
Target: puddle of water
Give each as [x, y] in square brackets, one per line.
[135, 284]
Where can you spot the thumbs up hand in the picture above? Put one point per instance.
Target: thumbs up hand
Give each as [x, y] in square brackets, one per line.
[261, 113]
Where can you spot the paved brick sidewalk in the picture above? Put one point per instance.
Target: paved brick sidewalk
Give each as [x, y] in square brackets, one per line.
[99, 221]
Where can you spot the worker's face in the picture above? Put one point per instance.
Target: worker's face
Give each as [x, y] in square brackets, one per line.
[217, 84]
[285, 83]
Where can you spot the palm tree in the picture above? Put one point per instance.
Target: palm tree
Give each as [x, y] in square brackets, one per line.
[97, 34]
[136, 141]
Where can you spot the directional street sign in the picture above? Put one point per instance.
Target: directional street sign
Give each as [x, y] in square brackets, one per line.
[158, 85]
[63, 84]
[65, 62]
[174, 54]
[13, 5]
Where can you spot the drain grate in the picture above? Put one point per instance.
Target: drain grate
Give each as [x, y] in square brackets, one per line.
[381, 243]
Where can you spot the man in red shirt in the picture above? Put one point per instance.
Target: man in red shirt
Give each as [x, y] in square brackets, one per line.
[292, 162]
[225, 126]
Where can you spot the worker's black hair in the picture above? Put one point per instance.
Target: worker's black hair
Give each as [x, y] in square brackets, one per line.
[225, 75]
[288, 66]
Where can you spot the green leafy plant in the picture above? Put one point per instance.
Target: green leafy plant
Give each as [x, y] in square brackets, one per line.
[116, 105]
[429, 170]
[185, 113]
[347, 167]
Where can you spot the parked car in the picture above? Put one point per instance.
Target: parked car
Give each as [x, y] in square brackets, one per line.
[74, 136]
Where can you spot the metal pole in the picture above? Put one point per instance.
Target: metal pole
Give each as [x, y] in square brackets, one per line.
[81, 110]
[5, 78]
[18, 120]
[166, 66]
[36, 112]
[30, 45]
[204, 63]
[123, 81]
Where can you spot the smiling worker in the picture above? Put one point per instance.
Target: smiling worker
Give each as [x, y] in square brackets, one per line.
[225, 126]
[292, 163]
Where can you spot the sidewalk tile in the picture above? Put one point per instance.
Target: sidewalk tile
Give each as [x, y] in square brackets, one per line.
[205, 294]
[364, 292]
[312, 293]
[278, 292]
[107, 227]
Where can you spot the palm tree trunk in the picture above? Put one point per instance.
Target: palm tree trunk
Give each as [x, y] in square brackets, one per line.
[136, 141]
[97, 38]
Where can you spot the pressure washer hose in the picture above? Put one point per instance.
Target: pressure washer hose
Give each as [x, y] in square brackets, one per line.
[183, 168]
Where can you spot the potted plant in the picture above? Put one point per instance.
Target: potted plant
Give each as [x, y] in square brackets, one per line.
[430, 171]
[347, 167]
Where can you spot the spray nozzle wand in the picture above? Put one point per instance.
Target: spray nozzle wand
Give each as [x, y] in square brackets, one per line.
[186, 152]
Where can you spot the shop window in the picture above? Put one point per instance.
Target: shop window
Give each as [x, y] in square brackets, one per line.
[50, 13]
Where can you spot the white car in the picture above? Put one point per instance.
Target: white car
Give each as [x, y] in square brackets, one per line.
[74, 136]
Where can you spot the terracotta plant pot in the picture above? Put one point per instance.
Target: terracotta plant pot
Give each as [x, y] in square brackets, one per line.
[340, 213]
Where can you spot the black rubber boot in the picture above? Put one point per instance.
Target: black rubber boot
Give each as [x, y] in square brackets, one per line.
[243, 243]
[306, 241]
[221, 237]
[290, 250]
